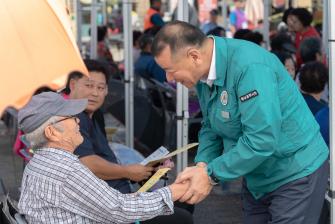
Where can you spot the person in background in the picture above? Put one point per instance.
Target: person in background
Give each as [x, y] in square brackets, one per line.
[313, 79]
[322, 117]
[237, 17]
[58, 188]
[287, 61]
[289, 24]
[255, 37]
[300, 20]
[254, 11]
[217, 31]
[311, 50]
[102, 47]
[95, 152]
[282, 42]
[98, 115]
[192, 13]
[146, 65]
[239, 34]
[136, 45]
[212, 23]
[249, 35]
[153, 17]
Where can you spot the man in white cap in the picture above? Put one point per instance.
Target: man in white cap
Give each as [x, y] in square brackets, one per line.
[58, 188]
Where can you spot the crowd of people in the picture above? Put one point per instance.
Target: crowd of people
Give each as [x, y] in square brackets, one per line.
[265, 118]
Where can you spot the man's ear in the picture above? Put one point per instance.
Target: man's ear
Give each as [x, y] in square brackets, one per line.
[51, 134]
[72, 84]
[195, 55]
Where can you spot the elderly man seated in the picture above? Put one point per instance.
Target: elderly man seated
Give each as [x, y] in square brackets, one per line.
[58, 188]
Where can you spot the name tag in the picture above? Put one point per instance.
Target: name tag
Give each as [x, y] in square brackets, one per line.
[249, 96]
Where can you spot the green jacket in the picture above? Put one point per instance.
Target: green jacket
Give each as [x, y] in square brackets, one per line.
[256, 123]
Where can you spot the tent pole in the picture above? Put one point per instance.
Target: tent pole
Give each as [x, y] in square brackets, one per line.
[94, 39]
[266, 24]
[331, 44]
[129, 72]
[182, 102]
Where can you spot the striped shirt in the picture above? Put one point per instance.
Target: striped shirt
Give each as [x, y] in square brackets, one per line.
[58, 188]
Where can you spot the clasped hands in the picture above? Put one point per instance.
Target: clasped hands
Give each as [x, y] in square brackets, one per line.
[192, 185]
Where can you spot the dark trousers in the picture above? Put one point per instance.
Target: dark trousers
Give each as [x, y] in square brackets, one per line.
[180, 216]
[297, 202]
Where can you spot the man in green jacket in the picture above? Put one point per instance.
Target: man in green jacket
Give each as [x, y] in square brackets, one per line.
[255, 125]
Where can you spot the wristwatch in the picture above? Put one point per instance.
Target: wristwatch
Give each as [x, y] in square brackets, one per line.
[212, 178]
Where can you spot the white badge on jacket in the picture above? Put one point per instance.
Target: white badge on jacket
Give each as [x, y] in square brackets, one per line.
[224, 97]
[224, 101]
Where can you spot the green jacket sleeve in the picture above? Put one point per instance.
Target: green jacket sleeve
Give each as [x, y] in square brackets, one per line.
[258, 104]
[210, 144]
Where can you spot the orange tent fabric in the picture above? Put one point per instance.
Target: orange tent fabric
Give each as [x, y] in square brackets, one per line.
[37, 47]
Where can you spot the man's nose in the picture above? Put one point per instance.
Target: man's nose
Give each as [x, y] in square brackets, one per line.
[94, 91]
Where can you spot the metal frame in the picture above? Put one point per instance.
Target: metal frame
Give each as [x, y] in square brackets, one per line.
[182, 102]
[224, 7]
[266, 24]
[77, 9]
[94, 33]
[331, 44]
[129, 72]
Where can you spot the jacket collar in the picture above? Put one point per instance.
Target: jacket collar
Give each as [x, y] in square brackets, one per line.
[221, 54]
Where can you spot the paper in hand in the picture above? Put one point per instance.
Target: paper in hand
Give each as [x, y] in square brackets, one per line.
[176, 152]
[153, 180]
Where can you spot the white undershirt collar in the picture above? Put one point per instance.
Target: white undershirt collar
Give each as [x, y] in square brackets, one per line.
[212, 69]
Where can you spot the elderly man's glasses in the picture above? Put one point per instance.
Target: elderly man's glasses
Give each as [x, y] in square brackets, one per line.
[63, 119]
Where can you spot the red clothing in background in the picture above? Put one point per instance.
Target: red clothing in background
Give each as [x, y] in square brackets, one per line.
[300, 36]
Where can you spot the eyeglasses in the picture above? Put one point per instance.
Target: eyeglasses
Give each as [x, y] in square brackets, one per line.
[63, 119]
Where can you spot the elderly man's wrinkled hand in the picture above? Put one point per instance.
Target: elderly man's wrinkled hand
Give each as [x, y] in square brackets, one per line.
[137, 172]
[178, 190]
[200, 185]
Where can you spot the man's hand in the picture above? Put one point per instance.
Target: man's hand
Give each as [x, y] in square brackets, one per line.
[178, 190]
[200, 185]
[137, 172]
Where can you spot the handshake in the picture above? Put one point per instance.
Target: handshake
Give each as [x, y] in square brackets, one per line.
[192, 185]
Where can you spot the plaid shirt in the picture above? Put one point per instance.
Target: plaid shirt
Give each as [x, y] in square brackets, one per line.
[58, 188]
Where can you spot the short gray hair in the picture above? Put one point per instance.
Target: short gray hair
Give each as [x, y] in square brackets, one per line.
[177, 35]
[37, 138]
